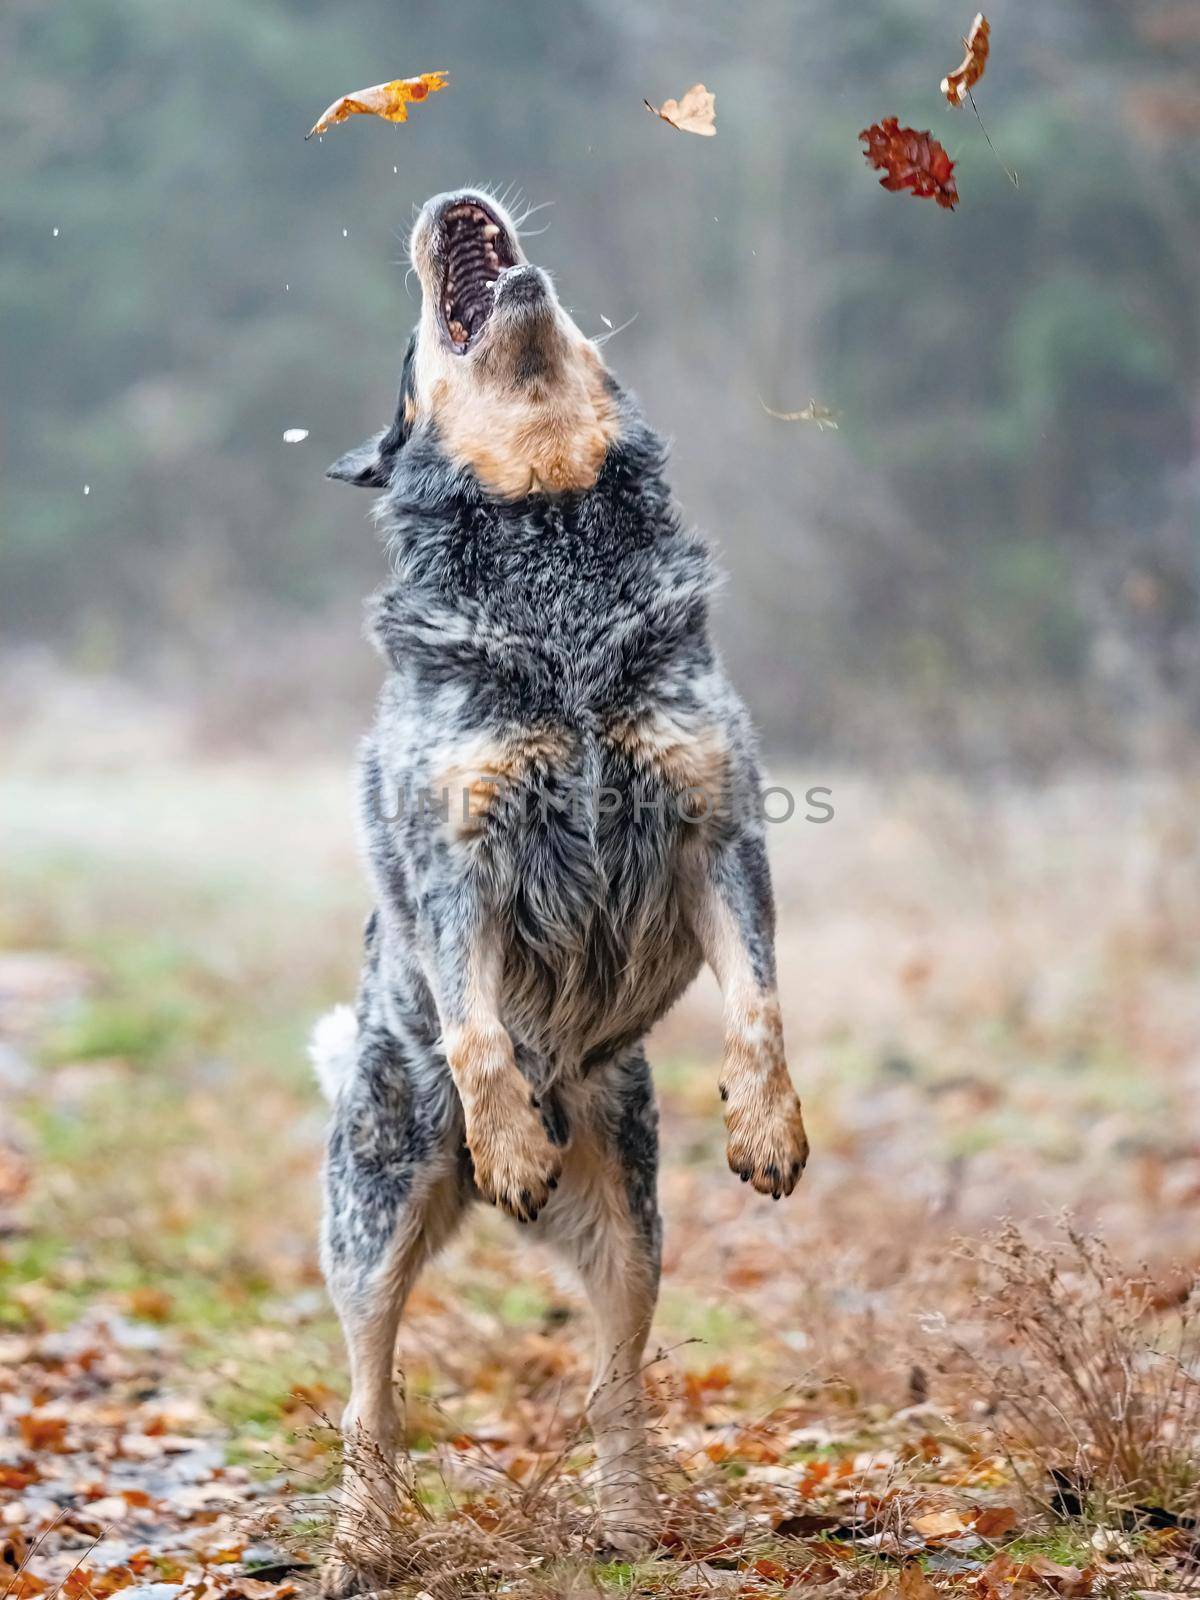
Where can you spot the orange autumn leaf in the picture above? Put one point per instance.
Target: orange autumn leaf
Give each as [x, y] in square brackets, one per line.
[25, 1585]
[939, 1524]
[993, 1522]
[772, 1571]
[912, 160]
[912, 1584]
[149, 1303]
[42, 1432]
[17, 1478]
[84, 1583]
[697, 1386]
[387, 100]
[957, 85]
[695, 113]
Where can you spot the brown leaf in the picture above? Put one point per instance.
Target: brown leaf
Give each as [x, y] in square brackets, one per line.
[912, 1584]
[912, 160]
[18, 1478]
[42, 1432]
[25, 1585]
[993, 1522]
[695, 113]
[1074, 1581]
[387, 100]
[149, 1303]
[771, 1570]
[957, 85]
[939, 1524]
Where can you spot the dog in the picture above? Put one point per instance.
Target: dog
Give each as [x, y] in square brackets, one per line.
[560, 810]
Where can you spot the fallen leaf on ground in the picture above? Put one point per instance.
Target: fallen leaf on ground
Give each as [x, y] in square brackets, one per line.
[150, 1303]
[695, 113]
[993, 1522]
[912, 1584]
[812, 412]
[940, 1524]
[43, 1432]
[387, 100]
[1052, 1575]
[957, 85]
[910, 159]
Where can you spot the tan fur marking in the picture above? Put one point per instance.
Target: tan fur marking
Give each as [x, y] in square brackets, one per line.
[685, 758]
[520, 441]
[476, 774]
[410, 409]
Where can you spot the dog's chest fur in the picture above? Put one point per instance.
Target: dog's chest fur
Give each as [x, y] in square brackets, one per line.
[553, 723]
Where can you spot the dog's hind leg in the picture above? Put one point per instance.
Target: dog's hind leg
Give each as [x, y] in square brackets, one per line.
[604, 1219]
[396, 1186]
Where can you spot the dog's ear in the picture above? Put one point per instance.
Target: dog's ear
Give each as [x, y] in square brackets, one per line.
[370, 465]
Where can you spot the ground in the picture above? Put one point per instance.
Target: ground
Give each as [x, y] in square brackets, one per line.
[992, 1009]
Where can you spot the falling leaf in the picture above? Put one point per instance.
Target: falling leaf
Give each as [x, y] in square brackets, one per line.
[812, 412]
[388, 100]
[910, 160]
[695, 113]
[957, 85]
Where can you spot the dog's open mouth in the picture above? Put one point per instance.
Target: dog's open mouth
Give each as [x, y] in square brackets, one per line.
[477, 249]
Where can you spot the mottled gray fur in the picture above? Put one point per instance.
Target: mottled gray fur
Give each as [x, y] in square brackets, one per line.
[554, 646]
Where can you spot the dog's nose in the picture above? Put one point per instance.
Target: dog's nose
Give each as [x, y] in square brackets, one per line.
[523, 284]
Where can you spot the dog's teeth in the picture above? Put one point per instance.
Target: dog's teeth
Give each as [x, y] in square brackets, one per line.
[489, 283]
[491, 230]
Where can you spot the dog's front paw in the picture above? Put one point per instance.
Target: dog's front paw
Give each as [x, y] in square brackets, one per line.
[767, 1143]
[516, 1166]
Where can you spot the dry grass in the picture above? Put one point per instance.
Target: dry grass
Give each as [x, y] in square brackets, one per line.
[1094, 1376]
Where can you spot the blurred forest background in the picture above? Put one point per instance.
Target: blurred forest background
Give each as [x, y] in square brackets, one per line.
[994, 563]
[973, 612]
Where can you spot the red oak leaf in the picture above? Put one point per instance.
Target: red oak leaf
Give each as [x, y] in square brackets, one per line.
[910, 160]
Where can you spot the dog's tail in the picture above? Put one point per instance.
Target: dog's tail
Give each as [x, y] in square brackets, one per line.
[333, 1049]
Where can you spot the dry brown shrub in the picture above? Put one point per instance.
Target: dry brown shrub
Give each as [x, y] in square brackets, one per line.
[1097, 1378]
